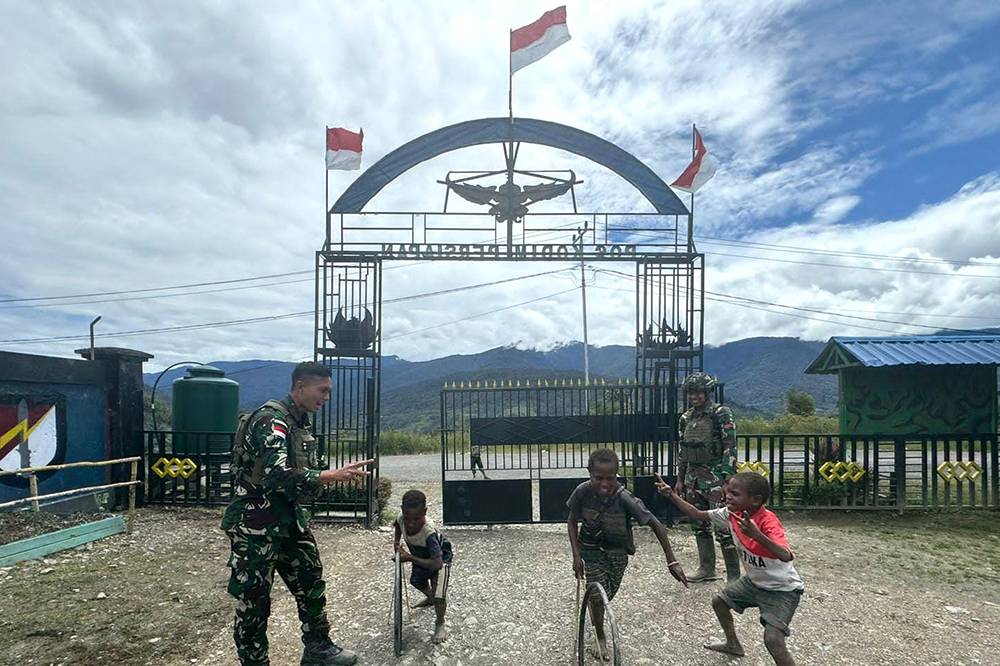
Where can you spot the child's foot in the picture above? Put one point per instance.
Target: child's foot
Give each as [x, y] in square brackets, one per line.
[440, 635]
[726, 647]
[602, 651]
[426, 603]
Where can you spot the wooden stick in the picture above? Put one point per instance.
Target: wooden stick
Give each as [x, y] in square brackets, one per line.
[45, 468]
[68, 492]
[133, 478]
[33, 486]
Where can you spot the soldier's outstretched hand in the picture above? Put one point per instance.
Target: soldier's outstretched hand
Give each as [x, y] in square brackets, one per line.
[351, 472]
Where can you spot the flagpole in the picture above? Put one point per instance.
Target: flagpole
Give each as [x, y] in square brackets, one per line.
[510, 136]
[694, 130]
[510, 83]
[326, 198]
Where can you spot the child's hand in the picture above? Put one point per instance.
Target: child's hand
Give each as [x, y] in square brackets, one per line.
[664, 489]
[578, 567]
[747, 526]
[404, 555]
[678, 573]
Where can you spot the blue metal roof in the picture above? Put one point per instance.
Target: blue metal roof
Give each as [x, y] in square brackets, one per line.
[911, 350]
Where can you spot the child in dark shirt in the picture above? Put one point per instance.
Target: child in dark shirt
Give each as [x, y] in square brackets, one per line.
[603, 542]
[430, 553]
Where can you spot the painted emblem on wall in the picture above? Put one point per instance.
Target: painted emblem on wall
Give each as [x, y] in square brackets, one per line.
[32, 434]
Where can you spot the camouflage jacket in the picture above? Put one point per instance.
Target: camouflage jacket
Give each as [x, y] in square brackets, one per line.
[269, 507]
[707, 438]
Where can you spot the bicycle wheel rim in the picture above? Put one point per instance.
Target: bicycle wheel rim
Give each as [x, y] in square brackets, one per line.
[596, 590]
[397, 609]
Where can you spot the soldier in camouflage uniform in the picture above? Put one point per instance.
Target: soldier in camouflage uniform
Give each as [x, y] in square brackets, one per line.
[274, 467]
[707, 458]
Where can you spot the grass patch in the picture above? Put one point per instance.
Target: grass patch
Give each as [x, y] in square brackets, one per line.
[403, 442]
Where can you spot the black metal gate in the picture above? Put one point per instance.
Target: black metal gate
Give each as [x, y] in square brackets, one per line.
[535, 439]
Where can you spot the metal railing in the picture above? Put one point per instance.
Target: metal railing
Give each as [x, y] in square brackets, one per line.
[192, 469]
[35, 499]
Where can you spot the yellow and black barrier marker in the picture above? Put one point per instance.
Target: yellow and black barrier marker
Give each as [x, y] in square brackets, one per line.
[174, 467]
[757, 467]
[841, 471]
[959, 470]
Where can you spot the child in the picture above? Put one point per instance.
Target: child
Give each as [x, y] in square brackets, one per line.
[771, 583]
[476, 460]
[601, 546]
[430, 552]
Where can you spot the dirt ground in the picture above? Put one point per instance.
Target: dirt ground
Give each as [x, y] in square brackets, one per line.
[880, 589]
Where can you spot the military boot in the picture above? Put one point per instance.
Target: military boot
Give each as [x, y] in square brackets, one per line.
[706, 559]
[321, 651]
[732, 559]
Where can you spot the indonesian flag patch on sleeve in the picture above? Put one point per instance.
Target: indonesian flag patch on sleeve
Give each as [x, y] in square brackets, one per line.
[279, 429]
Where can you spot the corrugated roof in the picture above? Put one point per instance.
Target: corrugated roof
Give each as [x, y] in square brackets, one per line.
[911, 350]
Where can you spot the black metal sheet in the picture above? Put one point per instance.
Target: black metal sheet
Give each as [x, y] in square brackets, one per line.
[644, 488]
[552, 496]
[583, 429]
[487, 501]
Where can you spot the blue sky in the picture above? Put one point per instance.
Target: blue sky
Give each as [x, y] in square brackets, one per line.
[145, 147]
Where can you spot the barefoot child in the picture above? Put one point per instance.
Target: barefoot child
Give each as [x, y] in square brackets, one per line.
[771, 582]
[602, 544]
[429, 551]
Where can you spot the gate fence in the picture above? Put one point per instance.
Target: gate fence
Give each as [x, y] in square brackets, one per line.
[192, 469]
[535, 440]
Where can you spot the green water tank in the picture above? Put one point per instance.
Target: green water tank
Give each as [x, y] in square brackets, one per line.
[204, 402]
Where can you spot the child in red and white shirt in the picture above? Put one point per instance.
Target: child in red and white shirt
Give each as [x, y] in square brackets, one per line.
[771, 582]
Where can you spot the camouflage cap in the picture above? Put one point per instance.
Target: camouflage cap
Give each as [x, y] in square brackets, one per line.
[700, 381]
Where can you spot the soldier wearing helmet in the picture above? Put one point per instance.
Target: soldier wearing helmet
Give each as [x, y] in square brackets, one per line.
[707, 458]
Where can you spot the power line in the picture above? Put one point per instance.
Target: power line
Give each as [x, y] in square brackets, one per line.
[849, 266]
[156, 296]
[481, 314]
[798, 249]
[719, 297]
[544, 234]
[288, 315]
[427, 328]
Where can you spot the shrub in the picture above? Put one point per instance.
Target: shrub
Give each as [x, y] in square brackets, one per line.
[401, 442]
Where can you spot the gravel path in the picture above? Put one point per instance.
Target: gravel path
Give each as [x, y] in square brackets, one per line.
[880, 590]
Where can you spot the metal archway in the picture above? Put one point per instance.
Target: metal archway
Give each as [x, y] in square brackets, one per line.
[505, 130]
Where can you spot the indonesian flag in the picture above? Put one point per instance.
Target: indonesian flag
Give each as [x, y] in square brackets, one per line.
[536, 40]
[343, 149]
[699, 172]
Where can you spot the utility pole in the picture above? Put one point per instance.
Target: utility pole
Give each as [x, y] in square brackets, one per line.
[578, 240]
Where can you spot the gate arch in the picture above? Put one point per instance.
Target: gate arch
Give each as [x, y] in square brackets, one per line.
[502, 130]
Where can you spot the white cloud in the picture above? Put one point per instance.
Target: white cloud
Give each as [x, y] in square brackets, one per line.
[145, 146]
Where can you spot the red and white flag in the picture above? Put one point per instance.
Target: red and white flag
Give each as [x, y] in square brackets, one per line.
[343, 148]
[699, 172]
[537, 40]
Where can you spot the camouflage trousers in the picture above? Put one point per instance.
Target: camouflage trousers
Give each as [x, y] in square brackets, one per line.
[253, 561]
[703, 489]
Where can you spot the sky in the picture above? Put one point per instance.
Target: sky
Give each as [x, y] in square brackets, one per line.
[148, 147]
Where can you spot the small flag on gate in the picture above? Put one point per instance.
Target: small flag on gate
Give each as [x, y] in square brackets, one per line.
[699, 172]
[536, 40]
[343, 149]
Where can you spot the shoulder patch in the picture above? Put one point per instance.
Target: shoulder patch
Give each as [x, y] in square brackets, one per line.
[279, 428]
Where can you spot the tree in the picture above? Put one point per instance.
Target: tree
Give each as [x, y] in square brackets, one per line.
[798, 403]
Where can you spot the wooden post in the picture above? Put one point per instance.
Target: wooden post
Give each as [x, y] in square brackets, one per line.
[131, 496]
[33, 485]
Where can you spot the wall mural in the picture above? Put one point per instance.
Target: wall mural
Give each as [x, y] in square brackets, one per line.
[32, 434]
[920, 400]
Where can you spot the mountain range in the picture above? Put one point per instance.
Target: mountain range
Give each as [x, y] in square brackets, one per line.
[755, 372]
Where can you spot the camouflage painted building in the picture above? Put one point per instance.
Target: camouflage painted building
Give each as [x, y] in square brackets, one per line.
[914, 385]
